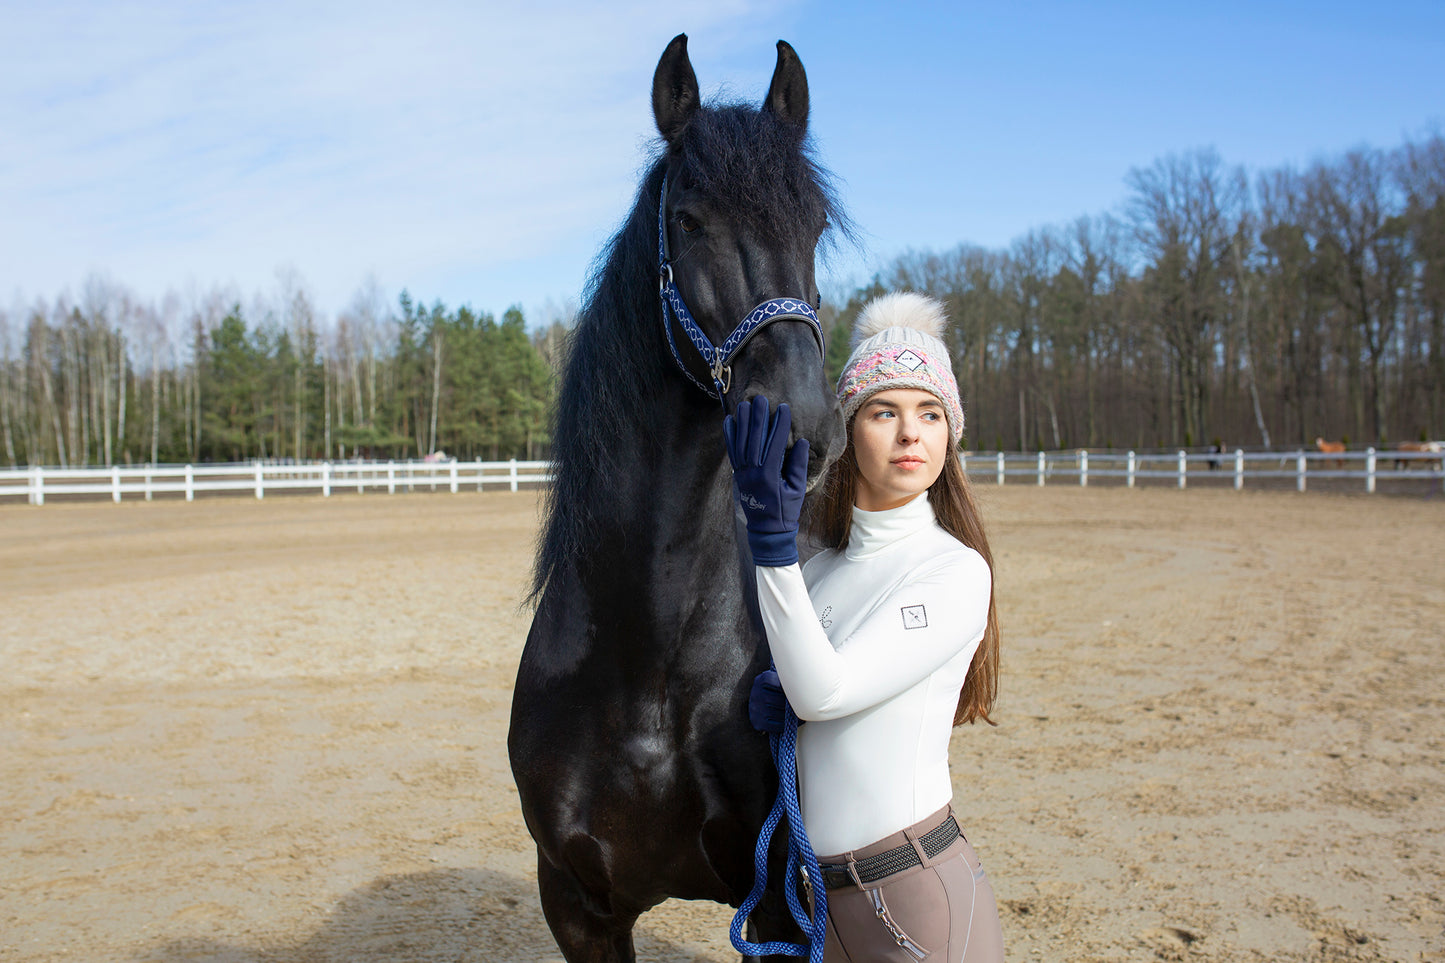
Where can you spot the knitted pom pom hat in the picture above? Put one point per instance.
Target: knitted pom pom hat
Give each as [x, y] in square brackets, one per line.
[897, 345]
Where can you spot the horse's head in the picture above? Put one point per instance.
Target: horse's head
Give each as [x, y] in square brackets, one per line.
[743, 213]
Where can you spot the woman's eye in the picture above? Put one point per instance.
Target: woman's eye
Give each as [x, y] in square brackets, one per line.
[688, 223]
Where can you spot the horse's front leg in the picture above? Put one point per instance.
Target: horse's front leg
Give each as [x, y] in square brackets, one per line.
[585, 925]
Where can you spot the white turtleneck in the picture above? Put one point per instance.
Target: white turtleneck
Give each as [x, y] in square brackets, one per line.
[872, 645]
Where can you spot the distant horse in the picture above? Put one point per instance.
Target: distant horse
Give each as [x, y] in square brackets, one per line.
[1332, 448]
[639, 776]
[1422, 447]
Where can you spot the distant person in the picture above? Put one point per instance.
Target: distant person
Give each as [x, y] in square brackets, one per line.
[883, 642]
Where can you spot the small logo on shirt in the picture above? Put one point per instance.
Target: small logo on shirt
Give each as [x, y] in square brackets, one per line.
[914, 617]
[823, 619]
[910, 360]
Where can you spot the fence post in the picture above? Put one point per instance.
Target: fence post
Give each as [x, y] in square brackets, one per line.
[1083, 468]
[260, 486]
[1041, 469]
[148, 482]
[1370, 470]
[1131, 469]
[326, 479]
[391, 477]
[1183, 467]
[190, 483]
[454, 476]
[512, 474]
[37, 487]
[115, 483]
[1238, 468]
[1000, 468]
[1300, 473]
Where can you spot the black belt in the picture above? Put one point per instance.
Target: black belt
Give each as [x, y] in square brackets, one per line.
[874, 868]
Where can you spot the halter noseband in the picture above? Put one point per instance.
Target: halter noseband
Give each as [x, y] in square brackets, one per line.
[718, 359]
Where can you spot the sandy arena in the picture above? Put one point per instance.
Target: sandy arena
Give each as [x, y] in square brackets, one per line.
[274, 732]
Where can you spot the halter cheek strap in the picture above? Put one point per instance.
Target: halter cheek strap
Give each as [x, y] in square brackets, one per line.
[718, 359]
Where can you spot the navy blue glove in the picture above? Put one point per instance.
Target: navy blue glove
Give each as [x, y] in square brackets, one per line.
[767, 705]
[769, 488]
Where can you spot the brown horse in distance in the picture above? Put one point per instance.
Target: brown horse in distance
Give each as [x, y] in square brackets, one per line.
[1332, 448]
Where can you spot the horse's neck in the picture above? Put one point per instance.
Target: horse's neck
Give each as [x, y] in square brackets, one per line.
[681, 491]
[673, 540]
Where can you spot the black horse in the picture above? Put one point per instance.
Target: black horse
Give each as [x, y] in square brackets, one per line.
[640, 778]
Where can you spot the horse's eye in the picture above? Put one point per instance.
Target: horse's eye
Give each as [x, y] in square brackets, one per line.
[688, 223]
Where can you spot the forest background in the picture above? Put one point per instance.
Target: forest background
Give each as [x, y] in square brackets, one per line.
[1214, 306]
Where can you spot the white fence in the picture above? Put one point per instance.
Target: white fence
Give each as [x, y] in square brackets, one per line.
[148, 481]
[1363, 468]
[1357, 470]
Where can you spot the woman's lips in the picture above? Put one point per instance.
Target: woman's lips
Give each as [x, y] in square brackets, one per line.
[909, 462]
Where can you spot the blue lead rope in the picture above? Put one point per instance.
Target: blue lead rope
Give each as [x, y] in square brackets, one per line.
[800, 854]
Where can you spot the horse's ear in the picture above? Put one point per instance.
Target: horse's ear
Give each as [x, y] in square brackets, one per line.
[788, 94]
[675, 96]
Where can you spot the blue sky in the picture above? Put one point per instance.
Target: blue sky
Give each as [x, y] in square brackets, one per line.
[482, 152]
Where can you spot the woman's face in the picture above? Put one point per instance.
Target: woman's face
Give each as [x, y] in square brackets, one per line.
[900, 439]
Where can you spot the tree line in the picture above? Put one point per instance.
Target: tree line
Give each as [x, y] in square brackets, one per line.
[1213, 307]
[110, 379]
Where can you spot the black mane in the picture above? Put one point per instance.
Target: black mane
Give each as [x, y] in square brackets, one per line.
[755, 169]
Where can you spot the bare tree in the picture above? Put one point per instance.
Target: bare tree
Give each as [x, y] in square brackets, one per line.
[1352, 209]
[1181, 209]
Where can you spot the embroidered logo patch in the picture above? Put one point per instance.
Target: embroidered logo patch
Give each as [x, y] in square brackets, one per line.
[824, 620]
[914, 617]
[910, 360]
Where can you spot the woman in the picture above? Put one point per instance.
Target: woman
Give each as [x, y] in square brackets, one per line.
[882, 642]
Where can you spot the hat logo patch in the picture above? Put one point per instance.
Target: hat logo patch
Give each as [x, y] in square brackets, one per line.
[910, 360]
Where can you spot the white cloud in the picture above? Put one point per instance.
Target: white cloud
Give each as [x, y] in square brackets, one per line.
[163, 142]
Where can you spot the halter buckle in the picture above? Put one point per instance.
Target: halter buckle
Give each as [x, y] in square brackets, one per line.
[723, 375]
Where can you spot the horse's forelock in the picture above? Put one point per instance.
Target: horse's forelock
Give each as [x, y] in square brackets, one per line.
[757, 170]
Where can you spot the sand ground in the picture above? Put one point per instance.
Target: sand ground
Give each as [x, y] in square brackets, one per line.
[243, 732]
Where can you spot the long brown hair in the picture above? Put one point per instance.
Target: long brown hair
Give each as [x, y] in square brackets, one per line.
[954, 507]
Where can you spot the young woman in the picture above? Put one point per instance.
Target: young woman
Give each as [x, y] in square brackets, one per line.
[883, 642]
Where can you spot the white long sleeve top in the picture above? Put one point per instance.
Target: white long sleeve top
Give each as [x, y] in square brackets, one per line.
[872, 645]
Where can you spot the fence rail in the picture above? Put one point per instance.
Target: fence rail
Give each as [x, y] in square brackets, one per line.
[1365, 469]
[147, 481]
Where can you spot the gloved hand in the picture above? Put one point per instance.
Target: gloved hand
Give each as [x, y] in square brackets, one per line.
[769, 488]
[767, 705]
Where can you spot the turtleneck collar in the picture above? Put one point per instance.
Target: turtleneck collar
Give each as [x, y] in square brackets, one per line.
[873, 532]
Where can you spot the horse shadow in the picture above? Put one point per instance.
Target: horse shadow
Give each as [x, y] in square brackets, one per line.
[452, 915]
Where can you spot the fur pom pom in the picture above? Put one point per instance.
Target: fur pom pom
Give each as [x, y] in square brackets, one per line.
[902, 309]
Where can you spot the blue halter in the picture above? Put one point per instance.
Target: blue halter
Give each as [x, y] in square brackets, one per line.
[718, 359]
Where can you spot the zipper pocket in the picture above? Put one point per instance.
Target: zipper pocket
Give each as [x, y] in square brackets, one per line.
[880, 910]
